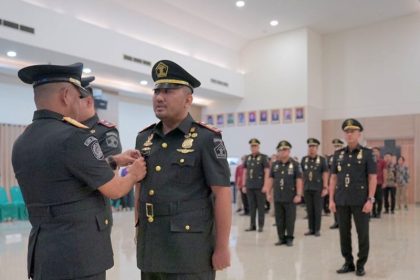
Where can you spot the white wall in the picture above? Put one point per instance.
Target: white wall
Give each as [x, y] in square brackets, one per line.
[373, 70]
[275, 77]
[16, 103]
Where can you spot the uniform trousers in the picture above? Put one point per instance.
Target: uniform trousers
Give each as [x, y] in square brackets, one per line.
[285, 213]
[313, 202]
[256, 200]
[361, 221]
[208, 275]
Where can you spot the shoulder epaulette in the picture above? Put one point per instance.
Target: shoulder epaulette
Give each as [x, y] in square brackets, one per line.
[209, 127]
[74, 122]
[107, 123]
[149, 127]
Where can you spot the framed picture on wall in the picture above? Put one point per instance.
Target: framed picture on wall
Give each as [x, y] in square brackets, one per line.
[263, 116]
[241, 119]
[287, 115]
[275, 116]
[220, 119]
[252, 117]
[210, 119]
[230, 119]
[299, 114]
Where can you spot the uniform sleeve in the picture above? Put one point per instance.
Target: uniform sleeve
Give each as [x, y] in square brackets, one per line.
[334, 164]
[266, 162]
[110, 143]
[298, 170]
[324, 164]
[272, 171]
[302, 163]
[84, 159]
[371, 163]
[214, 159]
[245, 162]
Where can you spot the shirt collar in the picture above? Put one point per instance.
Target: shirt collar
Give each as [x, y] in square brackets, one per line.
[91, 121]
[184, 126]
[47, 114]
[358, 148]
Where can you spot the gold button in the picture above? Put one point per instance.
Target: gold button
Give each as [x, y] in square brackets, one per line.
[281, 188]
[158, 168]
[106, 221]
[181, 160]
[151, 192]
[282, 172]
[362, 187]
[150, 219]
[164, 145]
[348, 164]
[187, 227]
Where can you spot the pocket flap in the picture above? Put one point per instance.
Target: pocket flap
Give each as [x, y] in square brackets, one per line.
[184, 160]
[187, 224]
[103, 220]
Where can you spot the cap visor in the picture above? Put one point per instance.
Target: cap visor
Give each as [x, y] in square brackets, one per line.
[168, 86]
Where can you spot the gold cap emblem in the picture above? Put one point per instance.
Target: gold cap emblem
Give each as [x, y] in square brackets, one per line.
[161, 70]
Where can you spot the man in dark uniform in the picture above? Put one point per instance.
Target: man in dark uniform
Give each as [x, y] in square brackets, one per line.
[106, 132]
[64, 177]
[184, 204]
[352, 189]
[338, 144]
[286, 181]
[256, 171]
[315, 179]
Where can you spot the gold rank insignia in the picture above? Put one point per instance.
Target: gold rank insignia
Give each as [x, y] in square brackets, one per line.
[192, 129]
[310, 176]
[187, 143]
[360, 154]
[148, 141]
[339, 168]
[194, 135]
[74, 122]
[161, 70]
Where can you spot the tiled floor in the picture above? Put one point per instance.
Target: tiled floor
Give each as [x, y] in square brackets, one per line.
[395, 250]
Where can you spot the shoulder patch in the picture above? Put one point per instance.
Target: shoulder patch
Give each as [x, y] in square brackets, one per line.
[149, 127]
[209, 127]
[74, 122]
[107, 123]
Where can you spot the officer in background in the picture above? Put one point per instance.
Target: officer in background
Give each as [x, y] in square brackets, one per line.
[338, 144]
[64, 177]
[315, 179]
[286, 181]
[256, 173]
[352, 189]
[106, 132]
[183, 233]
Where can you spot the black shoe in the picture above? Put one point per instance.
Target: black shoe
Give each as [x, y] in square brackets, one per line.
[346, 268]
[334, 226]
[360, 271]
[378, 216]
[260, 229]
[251, 229]
[289, 243]
[308, 233]
[239, 210]
[392, 212]
[317, 234]
[281, 242]
[244, 214]
[386, 212]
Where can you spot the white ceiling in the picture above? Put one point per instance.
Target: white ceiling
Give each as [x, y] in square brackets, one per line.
[221, 22]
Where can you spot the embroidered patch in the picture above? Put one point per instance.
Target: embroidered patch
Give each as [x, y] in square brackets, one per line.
[112, 140]
[220, 149]
[90, 140]
[96, 149]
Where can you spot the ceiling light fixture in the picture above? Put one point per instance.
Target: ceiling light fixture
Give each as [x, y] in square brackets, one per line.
[274, 23]
[87, 70]
[11, 54]
[240, 4]
[143, 83]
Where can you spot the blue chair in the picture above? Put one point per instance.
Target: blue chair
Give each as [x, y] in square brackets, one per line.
[8, 211]
[17, 200]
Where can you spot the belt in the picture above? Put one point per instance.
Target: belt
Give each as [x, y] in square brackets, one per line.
[174, 207]
[92, 202]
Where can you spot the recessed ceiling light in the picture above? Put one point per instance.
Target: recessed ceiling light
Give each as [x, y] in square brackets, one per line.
[274, 23]
[143, 83]
[240, 4]
[87, 70]
[11, 53]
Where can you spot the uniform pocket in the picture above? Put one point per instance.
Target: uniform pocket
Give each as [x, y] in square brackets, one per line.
[103, 220]
[181, 167]
[190, 222]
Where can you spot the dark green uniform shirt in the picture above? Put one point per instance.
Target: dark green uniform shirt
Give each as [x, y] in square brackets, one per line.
[255, 166]
[353, 169]
[284, 179]
[313, 168]
[176, 219]
[59, 168]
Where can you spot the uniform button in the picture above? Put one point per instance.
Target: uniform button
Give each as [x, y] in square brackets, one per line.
[362, 187]
[281, 188]
[150, 219]
[158, 168]
[151, 192]
[106, 221]
[164, 145]
[282, 172]
[348, 164]
[181, 160]
[187, 227]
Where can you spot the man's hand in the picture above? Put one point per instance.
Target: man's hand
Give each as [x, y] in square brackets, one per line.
[221, 258]
[324, 192]
[127, 157]
[138, 169]
[297, 199]
[367, 208]
[243, 189]
[332, 206]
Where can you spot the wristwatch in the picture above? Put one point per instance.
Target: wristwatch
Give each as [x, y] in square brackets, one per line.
[112, 163]
[371, 199]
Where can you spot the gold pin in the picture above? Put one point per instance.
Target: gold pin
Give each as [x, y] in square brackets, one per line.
[151, 192]
[164, 145]
[187, 227]
[158, 168]
[106, 221]
[187, 143]
[194, 135]
[181, 160]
